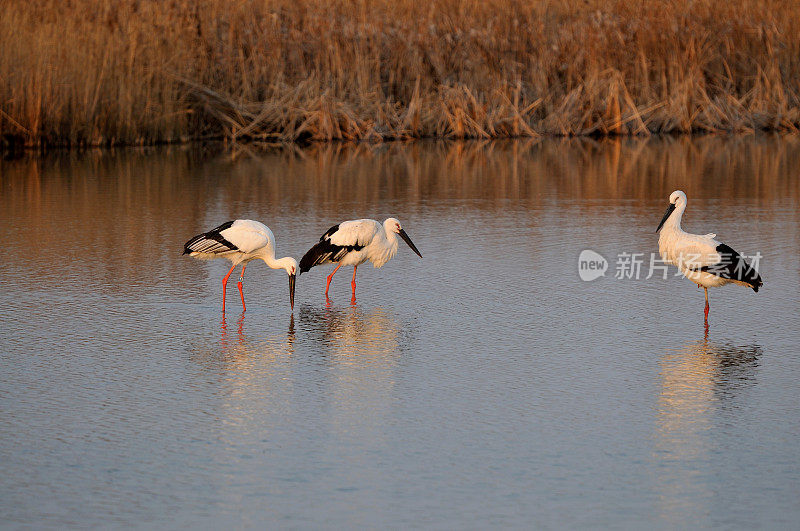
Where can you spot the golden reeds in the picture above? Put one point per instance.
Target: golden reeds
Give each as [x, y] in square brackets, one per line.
[94, 72]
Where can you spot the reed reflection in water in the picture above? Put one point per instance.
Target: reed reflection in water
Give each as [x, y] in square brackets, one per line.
[484, 385]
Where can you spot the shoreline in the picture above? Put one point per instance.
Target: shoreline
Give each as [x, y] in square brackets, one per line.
[11, 151]
[222, 144]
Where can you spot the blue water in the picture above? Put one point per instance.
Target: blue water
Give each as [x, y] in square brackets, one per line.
[483, 385]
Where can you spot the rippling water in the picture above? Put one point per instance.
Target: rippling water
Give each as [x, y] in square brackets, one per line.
[483, 385]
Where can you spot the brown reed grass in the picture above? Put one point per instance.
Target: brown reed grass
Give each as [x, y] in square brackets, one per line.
[95, 72]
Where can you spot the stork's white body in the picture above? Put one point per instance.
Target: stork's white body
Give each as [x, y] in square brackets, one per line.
[380, 245]
[251, 240]
[688, 252]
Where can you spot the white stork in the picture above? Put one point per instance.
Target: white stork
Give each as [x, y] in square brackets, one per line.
[353, 243]
[702, 259]
[240, 241]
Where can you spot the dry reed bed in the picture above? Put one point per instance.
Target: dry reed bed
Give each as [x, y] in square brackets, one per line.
[92, 72]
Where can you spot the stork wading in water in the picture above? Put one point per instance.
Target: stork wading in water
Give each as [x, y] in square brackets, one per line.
[702, 259]
[353, 243]
[241, 241]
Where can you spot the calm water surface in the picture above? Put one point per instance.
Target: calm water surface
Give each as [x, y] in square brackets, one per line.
[483, 385]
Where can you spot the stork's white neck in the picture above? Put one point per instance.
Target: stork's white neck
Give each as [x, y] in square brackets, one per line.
[285, 263]
[382, 250]
[389, 232]
[391, 236]
[673, 222]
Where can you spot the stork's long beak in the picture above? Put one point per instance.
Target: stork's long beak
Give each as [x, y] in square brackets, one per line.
[406, 239]
[670, 208]
[292, 278]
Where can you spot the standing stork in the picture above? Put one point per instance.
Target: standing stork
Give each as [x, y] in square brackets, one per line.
[353, 243]
[240, 241]
[702, 259]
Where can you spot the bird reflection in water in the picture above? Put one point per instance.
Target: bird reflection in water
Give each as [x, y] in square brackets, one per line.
[700, 384]
[250, 375]
[239, 329]
[351, 331]
[360, 350]
[245, 348]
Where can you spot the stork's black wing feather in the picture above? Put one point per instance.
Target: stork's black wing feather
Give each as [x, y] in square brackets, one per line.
[732, 266]
[324, 251]
[211, 242]
[328, 233]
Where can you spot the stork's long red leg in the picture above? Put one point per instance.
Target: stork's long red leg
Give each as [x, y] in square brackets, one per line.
[353, 284]
[241, 293]
[330, 277]
[225, 285]
[706, 303]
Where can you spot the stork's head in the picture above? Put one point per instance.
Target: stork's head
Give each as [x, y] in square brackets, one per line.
[289, 265]
[393, 225]
[677, 199]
